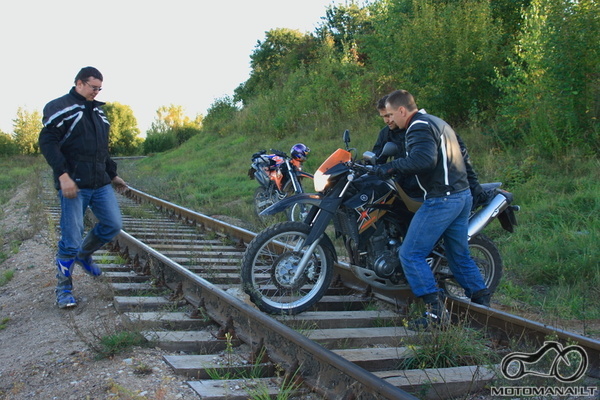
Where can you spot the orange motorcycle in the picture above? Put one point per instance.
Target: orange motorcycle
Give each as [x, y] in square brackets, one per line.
[280, 176]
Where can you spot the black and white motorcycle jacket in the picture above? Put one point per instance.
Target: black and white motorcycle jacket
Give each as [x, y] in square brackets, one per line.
[74, 139]
[433, 154]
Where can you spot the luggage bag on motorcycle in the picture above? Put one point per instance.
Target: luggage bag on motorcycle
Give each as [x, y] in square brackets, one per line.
[260, 164]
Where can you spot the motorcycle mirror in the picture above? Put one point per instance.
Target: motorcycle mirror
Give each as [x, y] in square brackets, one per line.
[346, 137]
[369, 157]
[389, 149]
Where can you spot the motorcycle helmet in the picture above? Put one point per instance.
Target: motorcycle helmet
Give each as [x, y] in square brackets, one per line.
[299, 152]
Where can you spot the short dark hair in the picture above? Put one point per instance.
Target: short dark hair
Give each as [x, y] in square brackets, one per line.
[401, 98]
[86, 73]
[381, 103]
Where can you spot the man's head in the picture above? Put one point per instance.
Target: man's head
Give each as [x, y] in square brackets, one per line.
[401, 106]
[387, 118]
[88, 82]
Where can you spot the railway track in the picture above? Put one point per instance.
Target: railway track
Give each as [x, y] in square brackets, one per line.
[176, 278]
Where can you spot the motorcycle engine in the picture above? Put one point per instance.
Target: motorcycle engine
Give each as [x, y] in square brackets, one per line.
[383, 259]
[385, 265]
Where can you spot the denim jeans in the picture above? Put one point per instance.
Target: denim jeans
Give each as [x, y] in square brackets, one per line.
[104, 205]
[446, 217]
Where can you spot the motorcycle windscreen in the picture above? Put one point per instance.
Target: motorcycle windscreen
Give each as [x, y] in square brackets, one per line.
[320, 178]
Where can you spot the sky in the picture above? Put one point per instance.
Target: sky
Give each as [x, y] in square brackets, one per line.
[152, 53]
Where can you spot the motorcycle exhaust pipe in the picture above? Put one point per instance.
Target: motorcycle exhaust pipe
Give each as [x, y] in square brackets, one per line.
[484, 216]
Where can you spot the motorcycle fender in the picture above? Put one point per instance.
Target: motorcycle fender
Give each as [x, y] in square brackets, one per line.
[314, 199]
[303, 174]
[508, 219]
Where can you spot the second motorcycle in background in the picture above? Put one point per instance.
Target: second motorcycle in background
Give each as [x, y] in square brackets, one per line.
[279, 176]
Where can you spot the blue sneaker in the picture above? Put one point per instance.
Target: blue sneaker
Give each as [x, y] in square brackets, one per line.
[64, 299]
[65, 267]
[88, 265]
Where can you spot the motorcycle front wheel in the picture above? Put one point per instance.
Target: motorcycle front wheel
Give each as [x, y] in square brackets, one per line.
[487, 257]
[271, 261]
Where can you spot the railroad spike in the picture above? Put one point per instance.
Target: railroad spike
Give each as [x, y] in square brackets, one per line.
[227, 328]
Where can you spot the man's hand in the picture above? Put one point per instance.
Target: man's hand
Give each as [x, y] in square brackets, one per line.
[119, 184]
[68, 187]
[384, 171]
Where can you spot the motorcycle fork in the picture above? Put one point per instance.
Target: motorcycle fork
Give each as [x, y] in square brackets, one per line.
[322, 218]
[291, 171]
[304, 261]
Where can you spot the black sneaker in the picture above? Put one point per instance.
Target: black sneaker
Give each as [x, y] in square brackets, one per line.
[430, 319]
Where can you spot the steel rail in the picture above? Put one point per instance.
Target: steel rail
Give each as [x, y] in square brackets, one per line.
[193, 216]
[321, 369]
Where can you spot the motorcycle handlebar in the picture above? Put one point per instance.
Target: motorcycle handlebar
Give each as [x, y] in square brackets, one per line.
[279, 153]
[363, 169]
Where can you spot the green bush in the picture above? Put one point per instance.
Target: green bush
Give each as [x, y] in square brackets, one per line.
[8, 147]
[160, 142]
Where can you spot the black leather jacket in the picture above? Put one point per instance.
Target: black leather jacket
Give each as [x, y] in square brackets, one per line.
[74, 139]
[396, 136]
[434, 155]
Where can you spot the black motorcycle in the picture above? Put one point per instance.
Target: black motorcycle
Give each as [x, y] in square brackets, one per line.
[288, 266]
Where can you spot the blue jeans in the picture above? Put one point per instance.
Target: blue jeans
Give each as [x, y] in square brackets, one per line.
[446, 217]
[104, 205]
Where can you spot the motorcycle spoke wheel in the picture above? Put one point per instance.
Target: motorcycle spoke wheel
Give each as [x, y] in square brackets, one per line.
[263, 198]
[298, 212]
[487, 257]
[270, 263]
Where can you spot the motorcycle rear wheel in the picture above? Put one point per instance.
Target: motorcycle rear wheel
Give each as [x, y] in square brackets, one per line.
[269, 263]
[297, 212]
[487, 257]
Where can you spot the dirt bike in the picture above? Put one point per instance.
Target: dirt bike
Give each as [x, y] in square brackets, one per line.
[288, 267]
[279, 176]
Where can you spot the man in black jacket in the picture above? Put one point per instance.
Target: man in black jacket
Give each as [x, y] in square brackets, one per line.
[434, 156]
[74, 141]
[392, 133]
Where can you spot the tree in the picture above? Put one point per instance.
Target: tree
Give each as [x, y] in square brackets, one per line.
[124, 134]
[26, 130]
[8, 147]
[171, 128]
[273, 59]
[171, 117]
[346, 24]
[550, 97]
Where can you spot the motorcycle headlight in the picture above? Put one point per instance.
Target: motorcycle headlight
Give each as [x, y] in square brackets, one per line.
[320, 181]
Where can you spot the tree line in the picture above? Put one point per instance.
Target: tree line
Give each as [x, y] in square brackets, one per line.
[170, 128]
[527, 72]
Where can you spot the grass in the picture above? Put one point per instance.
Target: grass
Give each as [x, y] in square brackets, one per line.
[4, 322]
[6, 276]
[118, 342]
[458, 345]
